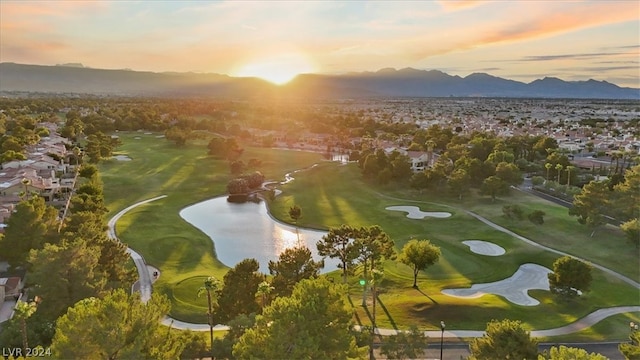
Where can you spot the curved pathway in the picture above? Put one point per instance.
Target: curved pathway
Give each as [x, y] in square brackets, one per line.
[524, 239]
[145, 284]
[144, 281]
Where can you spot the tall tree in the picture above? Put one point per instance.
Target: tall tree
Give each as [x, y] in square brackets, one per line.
[558, 168]
[339, 243]
[494, 186]
[223, 348]
[565, 353]
[74, 266]
[372, 245]
[505, 339]
[23, 311]
[31, 226]
[548, 166]
[627, 195]
[178, 135]
[570, 276]
[295, 213]
[118, 326]
[631, 230]
[458, 182]
[592, 204]
[401, 167]
[100, 146]
[419, 254]
[212, 288]
[570, 172]
[405, 344]
[264, 290]
[509, 173]
[313, 322]
[238, 295]
[293, 265]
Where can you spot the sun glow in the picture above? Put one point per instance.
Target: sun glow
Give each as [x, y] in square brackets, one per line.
[278, 69]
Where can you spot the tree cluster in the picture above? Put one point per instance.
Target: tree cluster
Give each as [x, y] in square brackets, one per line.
[382, 168]
[77, 253]
[479, 160]
[225, 148]
[600, 203]
[508, 339]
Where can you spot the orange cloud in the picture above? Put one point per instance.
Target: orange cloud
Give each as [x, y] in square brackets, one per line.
[457, 5]
[533, 22]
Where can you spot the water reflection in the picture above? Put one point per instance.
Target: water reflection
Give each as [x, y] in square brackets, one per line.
[246, 230]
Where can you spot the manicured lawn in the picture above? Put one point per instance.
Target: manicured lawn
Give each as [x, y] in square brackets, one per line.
[614, 328]
[331, 195]
[186, 175]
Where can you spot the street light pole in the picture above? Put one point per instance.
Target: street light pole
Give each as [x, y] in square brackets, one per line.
[633, 327]
[441, 337]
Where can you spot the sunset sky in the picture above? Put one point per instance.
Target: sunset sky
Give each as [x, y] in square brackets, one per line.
[526, 40]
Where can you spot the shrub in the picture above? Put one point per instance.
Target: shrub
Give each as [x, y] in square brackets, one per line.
[537, 217]
[513, 212]
[537, 180]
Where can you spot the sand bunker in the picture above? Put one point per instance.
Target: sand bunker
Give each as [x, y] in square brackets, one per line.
[528, 277]
[484, 248]
[122, 158]
[413, 212]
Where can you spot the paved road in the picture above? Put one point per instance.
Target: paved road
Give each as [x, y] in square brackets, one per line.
[144, 282]
[145, 285]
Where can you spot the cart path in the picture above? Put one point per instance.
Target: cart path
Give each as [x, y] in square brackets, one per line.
[145, 284]
[524, 239]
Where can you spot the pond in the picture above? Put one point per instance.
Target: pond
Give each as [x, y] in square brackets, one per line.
[246, 230]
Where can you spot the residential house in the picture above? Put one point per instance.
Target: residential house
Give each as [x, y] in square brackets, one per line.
[12, 183]
[420, 160]
[12, 287]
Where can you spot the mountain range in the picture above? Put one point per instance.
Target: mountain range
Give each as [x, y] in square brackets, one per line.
[388, 82]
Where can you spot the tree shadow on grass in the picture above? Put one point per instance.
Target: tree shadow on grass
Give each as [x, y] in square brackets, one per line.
[355, 313]
[384, 308]
[425, 294]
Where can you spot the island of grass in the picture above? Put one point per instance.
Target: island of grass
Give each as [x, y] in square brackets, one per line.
[331, 195]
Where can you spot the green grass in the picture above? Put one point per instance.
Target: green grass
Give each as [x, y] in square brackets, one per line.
[614, 328]
[331, 195]
[186, 175]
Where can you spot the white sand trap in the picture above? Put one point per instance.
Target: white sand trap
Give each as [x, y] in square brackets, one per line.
[122, 158]
[484, 248]
[528, 277]
[414, 212]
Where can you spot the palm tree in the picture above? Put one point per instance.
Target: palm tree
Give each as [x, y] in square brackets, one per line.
[76, 153]
[569, 169]
[211, 287]
[23, 311]
[617, 155]
[295, 213]
[548, 166]
[559, 168]
[26, 182]
[264, 289]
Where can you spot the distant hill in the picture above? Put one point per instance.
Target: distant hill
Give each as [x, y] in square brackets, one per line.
[74, 78]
